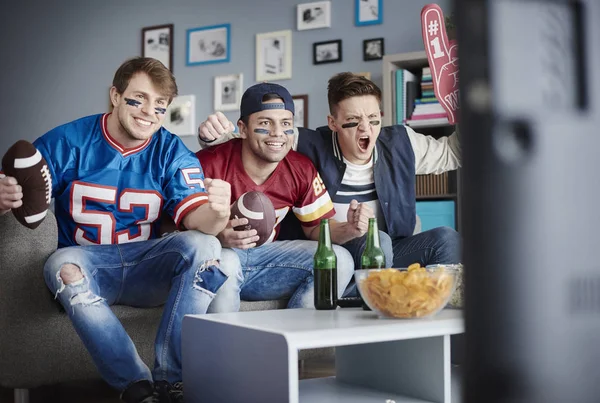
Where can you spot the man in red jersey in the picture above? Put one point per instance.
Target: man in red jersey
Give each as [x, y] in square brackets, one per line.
[262, 160]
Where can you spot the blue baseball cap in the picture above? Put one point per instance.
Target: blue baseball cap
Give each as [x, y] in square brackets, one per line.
[252, 100]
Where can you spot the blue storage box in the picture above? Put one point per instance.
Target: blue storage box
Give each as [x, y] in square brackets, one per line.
[434, 214]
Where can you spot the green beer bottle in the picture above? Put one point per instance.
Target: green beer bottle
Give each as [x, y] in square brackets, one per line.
[325, 270]
[372, 257]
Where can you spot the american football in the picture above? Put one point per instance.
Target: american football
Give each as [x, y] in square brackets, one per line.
[25, 163]
[260, 213]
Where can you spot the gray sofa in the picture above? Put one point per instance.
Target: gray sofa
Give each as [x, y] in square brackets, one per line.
[38, 343]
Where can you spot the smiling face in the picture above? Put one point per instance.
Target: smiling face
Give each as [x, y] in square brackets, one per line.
[357, 120]
[140, 110]
[269, 134]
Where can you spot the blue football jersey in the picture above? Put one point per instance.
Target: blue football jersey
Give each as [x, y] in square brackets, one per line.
[107, 194]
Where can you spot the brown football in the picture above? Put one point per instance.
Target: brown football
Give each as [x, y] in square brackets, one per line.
[25, 163]
[258, 209]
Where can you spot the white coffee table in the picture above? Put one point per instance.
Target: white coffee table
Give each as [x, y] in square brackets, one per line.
[253, 356]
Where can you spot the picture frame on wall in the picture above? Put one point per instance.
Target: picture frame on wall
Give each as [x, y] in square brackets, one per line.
[180, 118]
[157, 42]
[373, 49]
[300, 110]
[327, 52]
[207, 45]
[228, 92]
[368, 12]
[313, 15]
[274, 55]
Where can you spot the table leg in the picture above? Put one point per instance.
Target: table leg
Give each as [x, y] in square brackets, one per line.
[224, 363]
[417, 368]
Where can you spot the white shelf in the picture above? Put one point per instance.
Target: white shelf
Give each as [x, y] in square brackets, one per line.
[328, 390]
[428, 123]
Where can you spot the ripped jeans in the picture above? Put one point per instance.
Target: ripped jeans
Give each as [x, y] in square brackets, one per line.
[180, 270]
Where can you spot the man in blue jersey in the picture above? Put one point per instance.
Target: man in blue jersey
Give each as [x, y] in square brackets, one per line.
[113, 176]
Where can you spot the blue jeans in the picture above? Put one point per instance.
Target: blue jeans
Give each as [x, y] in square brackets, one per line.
[180, 270]
[277, 270]
[438, 245]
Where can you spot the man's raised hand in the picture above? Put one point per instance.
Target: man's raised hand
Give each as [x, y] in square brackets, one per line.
[215, 126]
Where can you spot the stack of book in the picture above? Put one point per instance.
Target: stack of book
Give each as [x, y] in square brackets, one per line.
[427, 109]
[431, 185]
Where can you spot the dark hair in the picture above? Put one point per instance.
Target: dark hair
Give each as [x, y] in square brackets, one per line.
[265, 98]
[348, 85]
[160, 76]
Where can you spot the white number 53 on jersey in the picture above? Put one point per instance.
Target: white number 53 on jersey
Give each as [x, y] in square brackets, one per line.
[105, 222]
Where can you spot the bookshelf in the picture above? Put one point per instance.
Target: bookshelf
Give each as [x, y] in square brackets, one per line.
[434, 192]
[391, 63]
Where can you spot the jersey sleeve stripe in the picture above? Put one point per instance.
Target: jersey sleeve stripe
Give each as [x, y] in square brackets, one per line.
[317, 214]
[314, 206]
[316, 221]
[187, 205]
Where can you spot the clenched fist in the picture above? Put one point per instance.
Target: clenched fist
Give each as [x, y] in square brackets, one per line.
[219, 196]
[11, 194]
[358, 217]
[215, 126]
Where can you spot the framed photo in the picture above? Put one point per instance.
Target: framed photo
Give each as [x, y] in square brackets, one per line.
[208, 44]
[313, 15]
[157, 42]
[274, 55]
[228, 92]
[301, 110]
[327, 52]
[369, 12]
[365, 74]
[373, 49]
[180, 116]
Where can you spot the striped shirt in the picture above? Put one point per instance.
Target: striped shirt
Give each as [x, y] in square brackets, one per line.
[357, 184]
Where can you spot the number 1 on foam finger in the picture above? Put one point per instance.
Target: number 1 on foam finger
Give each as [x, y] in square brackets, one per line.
[438, 52]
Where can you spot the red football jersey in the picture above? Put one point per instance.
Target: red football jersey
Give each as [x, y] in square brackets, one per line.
[295, 184]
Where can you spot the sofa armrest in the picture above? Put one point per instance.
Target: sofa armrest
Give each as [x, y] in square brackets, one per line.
[23, 252]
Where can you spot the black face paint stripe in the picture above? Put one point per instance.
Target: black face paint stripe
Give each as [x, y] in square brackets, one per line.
[161, 111]
[374, 122]
[132, 102]
[289, 132]
[348, 125]
[262, 131]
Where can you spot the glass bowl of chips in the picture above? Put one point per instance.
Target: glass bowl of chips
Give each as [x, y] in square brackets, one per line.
[412, 292]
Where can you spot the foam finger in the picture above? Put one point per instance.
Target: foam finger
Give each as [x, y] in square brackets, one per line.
[443, 65]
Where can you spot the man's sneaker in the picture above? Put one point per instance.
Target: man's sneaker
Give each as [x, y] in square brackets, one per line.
[169, 393]
[140, 392]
